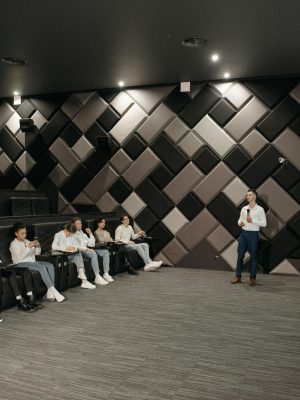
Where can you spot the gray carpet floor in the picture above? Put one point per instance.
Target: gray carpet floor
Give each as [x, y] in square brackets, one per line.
[174, 334]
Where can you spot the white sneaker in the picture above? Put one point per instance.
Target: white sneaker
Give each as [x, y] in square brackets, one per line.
[157, 263]
[87, 285]
[100, 281]
[150, 267]
[50, 295]
[107, 277]
[59, 298]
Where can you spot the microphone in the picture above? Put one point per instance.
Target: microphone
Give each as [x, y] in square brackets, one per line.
[248, 213]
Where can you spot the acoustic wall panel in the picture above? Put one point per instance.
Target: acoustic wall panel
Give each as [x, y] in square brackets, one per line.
[179, 163]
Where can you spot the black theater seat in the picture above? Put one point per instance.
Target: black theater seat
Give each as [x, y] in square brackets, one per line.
[65, 272]
[73, 279]
[40, 205]
[6, 236]
[45, 233]
[20, 206]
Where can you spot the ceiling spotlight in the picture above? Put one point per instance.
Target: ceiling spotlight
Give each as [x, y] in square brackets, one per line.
[16, 93]
[17, 99]
[227, 75]
[121, 83]
[215, 57]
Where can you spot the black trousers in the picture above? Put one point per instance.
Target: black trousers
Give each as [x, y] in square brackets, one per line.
[11, 275]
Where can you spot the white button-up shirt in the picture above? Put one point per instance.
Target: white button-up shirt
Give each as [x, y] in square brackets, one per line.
[84, 241]
[61, 241]
[257, 213]
[125, 234]
[20, 252]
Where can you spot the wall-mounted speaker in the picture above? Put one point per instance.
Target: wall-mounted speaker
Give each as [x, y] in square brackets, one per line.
[27, 125]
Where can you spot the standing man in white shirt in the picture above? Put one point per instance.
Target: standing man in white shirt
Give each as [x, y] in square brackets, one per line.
[252, 218]
[125, 234]
[23, 254]
[85, 242]
[65, 241]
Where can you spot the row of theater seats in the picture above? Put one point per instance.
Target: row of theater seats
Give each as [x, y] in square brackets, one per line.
[21, 206]
[65, 271]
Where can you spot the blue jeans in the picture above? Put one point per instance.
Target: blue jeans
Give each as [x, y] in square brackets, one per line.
[44, 268]
[248, 241]
[142, 249]
[105, 257]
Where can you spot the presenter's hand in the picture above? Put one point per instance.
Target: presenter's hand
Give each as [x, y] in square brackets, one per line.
[249, 219]
[31, 244]
[241, 223]
[142, 233]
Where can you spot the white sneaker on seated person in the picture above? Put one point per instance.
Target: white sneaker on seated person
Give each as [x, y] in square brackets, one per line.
[157, 263]
[150, 267]
[50, 296]
[87, 285]
[108, 278]
[100, 281]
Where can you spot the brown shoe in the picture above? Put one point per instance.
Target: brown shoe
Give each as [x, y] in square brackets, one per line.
[252, 282]
[236, 279]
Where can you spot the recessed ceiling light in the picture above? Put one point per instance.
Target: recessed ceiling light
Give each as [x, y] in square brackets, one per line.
[215, 57]
[121, 83]
[16, 93]
[194, 42]
[19, 62]
[227, 75]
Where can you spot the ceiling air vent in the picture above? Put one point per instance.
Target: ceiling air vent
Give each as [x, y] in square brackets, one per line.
[194, 42]
[19, 62]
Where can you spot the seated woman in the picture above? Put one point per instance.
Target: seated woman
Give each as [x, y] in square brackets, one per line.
[66, 241]
[28, 304]
[84, 242]
[102, 236]
[23, 254]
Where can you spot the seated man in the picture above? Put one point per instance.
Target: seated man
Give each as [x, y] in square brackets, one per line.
[23, 254]
[10, 274]
[84, 242]
[66, 241]
[125, 234]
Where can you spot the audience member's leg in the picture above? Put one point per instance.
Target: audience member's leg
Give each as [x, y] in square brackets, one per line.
[95, 266]
[27, 279]
[104, 253]
[12, 280]
[143, 251]
[46, 271]
[78, 261]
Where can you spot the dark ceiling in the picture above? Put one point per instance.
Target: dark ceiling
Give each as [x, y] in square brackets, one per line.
[92, 44]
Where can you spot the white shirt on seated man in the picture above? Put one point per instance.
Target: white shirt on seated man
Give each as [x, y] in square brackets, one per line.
[125, 234]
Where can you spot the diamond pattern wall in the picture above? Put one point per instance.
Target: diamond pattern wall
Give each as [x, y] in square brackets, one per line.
[180, 163]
